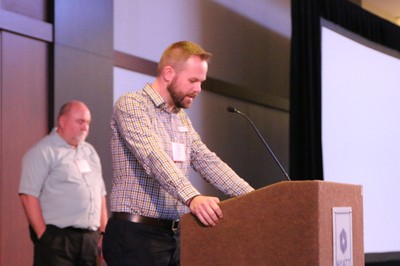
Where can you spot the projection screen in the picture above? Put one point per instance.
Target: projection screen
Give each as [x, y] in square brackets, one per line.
[361, 129]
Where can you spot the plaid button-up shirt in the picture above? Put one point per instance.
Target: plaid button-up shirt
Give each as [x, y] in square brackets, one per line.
[147, 181]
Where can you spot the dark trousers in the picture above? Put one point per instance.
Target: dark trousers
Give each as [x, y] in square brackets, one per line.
[65, 247]
[127, 243]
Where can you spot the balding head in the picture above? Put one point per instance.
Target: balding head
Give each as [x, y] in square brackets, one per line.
[73, 122]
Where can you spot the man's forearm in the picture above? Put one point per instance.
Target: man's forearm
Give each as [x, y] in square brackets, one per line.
[104, 215]
[33, 213]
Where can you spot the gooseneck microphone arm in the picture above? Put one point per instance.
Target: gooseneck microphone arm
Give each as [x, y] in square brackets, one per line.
[234, 110]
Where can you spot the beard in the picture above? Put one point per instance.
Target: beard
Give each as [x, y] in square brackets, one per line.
[78, 139]
[178, 98]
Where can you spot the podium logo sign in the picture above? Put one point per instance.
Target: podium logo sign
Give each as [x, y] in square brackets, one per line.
[342, 236]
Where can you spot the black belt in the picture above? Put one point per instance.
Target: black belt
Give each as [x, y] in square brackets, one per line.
[135, 218]
[71, 229]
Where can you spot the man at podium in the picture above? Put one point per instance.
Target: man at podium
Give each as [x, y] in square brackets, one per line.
[153, 146]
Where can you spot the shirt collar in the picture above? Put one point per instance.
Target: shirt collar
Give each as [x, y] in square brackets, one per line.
[158, 100]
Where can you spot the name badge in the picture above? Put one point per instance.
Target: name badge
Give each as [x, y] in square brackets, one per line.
[178, 152]
[83, 166]
[183, 129]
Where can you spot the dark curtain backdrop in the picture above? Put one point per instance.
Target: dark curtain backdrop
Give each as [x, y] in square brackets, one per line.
[305, 92]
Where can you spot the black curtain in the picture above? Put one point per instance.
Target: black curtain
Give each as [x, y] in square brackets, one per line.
[305, 91]
[305, 77]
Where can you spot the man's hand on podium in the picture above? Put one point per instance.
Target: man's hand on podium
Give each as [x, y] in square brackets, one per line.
[206, 209]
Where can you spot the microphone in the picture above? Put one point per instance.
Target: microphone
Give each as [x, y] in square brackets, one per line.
[234, 110]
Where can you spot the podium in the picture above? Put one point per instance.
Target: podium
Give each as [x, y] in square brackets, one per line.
[287, 223]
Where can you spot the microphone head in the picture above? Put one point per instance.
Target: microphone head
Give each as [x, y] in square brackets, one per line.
[232, 109]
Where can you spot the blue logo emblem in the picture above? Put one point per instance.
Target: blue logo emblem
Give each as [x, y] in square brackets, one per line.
[343, 241]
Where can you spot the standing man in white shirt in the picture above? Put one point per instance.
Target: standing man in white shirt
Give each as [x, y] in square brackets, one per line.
[63, 193]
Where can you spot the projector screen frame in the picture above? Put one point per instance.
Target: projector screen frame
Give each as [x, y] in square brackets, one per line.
[342, 105]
